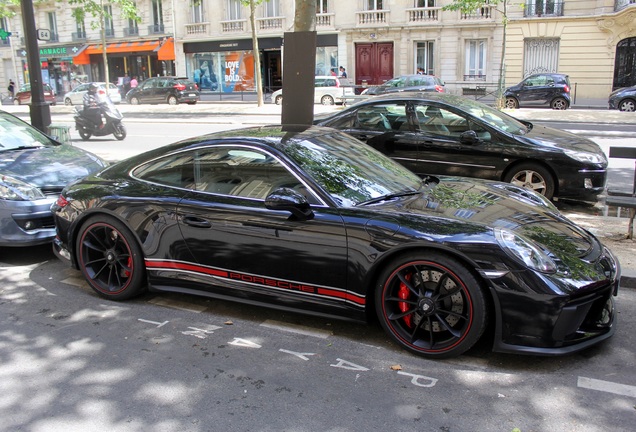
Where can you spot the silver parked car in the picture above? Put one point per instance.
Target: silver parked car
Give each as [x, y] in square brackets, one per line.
[33, 171]
[75, 96]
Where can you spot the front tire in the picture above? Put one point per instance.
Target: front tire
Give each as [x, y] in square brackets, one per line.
[430, 304]
[532, 176]
[327, 100]
[86, 135]
[278, 100]
[120, 131]
[68, 102]
[110, 258]
[559, 104]
[134, 100]
[628, 105]
[512, 103]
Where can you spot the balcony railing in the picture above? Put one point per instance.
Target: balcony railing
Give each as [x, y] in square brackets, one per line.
[131, 31]
[373, 18]
[156, 29]
[422, 14]
[233, 26]
[200, 28]
[622, 4]
[486, 12]
[270, 23]
[325, 20]
[544, 8]
[78, 36]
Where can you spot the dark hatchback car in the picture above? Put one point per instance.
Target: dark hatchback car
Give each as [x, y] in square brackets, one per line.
[33, 171]
[313, 220]
[623, 99]
[403, 83]
[171, 90]
[548, 89]
[444, 134]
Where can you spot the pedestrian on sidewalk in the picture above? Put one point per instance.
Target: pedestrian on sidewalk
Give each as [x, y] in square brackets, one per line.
[11, 89]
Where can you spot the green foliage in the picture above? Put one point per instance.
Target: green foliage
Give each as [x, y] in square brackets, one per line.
[95, 9]
[7, 6]
[468, 6]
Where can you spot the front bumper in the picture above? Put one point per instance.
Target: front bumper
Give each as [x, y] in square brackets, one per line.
[26, 223]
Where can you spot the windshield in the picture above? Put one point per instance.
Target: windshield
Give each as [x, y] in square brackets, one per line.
[350, 171]
[14, 134]
[492, 116]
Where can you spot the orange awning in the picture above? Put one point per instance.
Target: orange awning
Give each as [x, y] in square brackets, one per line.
[116, 47]
[166, 50]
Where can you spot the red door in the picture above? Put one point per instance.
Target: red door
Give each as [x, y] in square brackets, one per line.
[374, 62]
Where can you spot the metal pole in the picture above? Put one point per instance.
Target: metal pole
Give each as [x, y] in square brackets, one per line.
[40, 110]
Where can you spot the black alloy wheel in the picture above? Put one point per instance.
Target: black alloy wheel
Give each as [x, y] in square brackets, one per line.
[110, 258]
[431, 305]
[120, 131]
[84, 134]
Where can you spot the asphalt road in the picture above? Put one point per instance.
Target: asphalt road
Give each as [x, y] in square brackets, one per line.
[74, 362]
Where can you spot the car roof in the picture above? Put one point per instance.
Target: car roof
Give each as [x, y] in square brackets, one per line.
[414, 95]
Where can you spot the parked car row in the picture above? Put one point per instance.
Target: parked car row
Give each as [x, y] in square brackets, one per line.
[382, 230]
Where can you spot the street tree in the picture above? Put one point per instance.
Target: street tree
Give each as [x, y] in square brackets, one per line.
[471, 6]
[257, 58]
[97, 10]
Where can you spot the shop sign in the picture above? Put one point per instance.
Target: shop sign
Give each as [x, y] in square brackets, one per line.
[64, 51]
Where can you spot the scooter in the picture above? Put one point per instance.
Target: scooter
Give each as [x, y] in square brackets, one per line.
[111, 121]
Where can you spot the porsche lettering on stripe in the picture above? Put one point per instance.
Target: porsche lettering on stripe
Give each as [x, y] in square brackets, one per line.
[250, 279]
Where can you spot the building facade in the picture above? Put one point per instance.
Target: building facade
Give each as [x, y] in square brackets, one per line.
[210, 41]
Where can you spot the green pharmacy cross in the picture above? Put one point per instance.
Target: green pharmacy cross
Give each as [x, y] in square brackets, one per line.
[4, 34]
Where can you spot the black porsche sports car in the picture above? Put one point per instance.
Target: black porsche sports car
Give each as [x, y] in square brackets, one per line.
[444, 134]
[310, 219]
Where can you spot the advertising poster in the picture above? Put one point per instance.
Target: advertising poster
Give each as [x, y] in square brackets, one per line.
[239, 72]
[204, 75]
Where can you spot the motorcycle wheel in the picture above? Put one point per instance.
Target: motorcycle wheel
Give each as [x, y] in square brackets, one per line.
[120, 131]
[84, 134]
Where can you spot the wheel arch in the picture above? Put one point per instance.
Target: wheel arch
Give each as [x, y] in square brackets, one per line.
[516, 163]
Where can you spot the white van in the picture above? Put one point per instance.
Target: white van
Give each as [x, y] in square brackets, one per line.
[327, 91]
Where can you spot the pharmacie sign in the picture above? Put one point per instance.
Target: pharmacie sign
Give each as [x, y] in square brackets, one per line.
[66, 51]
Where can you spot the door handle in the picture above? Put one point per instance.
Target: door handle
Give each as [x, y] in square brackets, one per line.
[196, 222]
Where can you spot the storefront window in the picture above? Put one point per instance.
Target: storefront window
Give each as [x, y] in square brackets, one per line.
[227, 72]
[326, 60]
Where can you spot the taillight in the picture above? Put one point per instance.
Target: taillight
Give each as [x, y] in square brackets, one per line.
[439, 88]
[101, 91]
[179, 86]
[566, 89]
[61, 202]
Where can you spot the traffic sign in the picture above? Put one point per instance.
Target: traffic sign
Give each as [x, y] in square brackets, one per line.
[44, 34]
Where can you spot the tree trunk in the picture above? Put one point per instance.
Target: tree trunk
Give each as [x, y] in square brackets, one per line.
[305, 16]
[257, 56]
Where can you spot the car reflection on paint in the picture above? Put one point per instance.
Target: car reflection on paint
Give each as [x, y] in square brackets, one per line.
[312, 220]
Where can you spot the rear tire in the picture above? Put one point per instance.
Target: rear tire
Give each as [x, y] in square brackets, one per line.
[172, 100]
[110, 258]
[327, 100]
[559, 104]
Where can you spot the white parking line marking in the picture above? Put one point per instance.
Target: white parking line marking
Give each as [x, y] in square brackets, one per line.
[158, 324]
[607, 386]
[297, 354]
[175, 304]
[297, 329]
[244, 343]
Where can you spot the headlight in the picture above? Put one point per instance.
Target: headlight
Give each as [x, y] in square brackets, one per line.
[17, 190]
[586, 157]
[525, 251]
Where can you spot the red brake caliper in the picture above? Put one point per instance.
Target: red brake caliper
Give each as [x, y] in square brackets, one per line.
[129, 265]
[404, 294]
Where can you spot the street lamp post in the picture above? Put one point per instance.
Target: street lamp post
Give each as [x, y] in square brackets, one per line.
[40, 110]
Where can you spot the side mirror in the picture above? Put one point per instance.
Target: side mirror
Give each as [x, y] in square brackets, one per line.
[469, 137]
[286, 199]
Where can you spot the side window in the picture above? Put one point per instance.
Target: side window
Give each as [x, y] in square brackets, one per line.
[244, 173]
[373, 118]
[176, 170]
[319, 83]
[439, 121]
[150, 84]
[82, 88]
